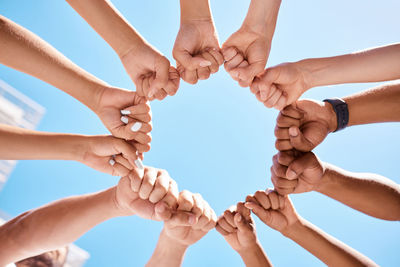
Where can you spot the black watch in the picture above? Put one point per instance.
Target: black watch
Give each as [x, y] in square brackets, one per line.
[342, 112]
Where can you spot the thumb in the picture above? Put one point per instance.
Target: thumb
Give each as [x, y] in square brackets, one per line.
[241, 223]
[182, 218]
[247, 74]
[190, 62]
[299, 165]
[162, 76]
[298, 141]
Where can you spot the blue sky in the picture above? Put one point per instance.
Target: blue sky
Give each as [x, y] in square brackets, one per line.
[214, 137]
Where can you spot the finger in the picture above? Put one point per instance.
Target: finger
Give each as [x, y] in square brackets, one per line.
[273, 99]
[226, 226]
[203, 73]
[160, 94]
[189, 62]
[241, 223]
[260, 212]
[214, 67]
[277, 168]
[118, 169]
[233, 63]
[139, 109]
[217, 55]
[297, 167]
[298, 141]
[204, 219]
[283, 121]
[149, 180]
[182, 218]
[185, 201]
[263, 199]
[198, 205]
[189, 76]
[273, 198]
[162, 211]
[221, 231]
[284, 191]
[212, 219]
[171, 198]
[247, 74]
[160, 188]
[123, 161]
[281, 133]
[136, 180]
[282, 201]
[255, 86]
[173, 84]
[293, 112]
[281, 103]
[242, 210]
[128, 151]
[229, 53]
[141, 148]
[229, 217]
[283, 145]
[285, 158]
[283, 183]
[139, 85]
[161, 77]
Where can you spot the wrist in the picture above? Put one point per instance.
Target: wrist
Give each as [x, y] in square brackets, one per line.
[326, 178]
[294, 228]
[195, 10]
[250, 249]
[330, 116]
[262, 16]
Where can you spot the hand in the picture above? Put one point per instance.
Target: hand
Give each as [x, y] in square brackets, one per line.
[192, 220]
[238, 228]
[108, 154]
[151, 72]
[197, 50]
[126, 115]
[273, 209]
[153, 195]
[281, 85]
[293, 174]
[246, 53]
[304, 125]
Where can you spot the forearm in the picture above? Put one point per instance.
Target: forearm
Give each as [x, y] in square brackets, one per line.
[262, 16]
[325, 247]
[255, 257]
[195, 10]
[373, 65]
[380, 104]
[109, 23]
[369, 193]
[22, 144]
[54, 225]
[168, 253]
[24, 51]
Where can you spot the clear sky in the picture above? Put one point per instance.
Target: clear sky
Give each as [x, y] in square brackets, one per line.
[214, 137]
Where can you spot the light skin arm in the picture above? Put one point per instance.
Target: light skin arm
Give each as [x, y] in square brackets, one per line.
[291, 80]
[246, 51]
[62, 222]
[24, 51]
[369, 193]
[192, 220]
[103, 153]
[317, 119]
[278, 212]
[148, 68]
[238, 229]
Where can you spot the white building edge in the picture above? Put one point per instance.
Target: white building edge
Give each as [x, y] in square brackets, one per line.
[16, 109]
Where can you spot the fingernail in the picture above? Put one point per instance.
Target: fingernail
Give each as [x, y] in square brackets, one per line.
[112, 162]
[192, 220]
[293, 132]
[291, 174]
[205, 63]
[248, 205]
[125, 112]
[139, 164]
[124, 119]
[136, 126]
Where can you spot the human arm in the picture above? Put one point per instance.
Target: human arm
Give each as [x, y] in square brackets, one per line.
[104, 153]
[238, 229]
[283, 84]
[148, 68]
[278, 213]
[62, 222]
[306, 123]
[22, 50]
[246, 51]
[196, 49]
[193, 219]
[369, 193]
